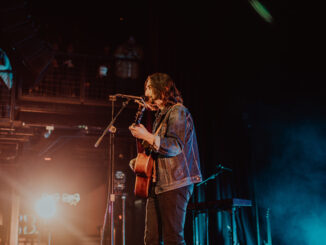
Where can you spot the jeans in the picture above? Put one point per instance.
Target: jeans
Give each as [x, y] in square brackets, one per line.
[166, 215]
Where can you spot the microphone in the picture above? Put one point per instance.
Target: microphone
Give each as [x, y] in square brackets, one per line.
[127, 96]
[223, 168]
[140, 100]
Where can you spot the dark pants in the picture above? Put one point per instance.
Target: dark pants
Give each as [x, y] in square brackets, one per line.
[166, 215]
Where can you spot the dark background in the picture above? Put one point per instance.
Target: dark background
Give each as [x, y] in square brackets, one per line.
[255, 90]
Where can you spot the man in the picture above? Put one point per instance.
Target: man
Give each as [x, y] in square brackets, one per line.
[177, 165]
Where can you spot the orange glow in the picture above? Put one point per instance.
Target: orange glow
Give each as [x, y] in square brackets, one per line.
[46, 207]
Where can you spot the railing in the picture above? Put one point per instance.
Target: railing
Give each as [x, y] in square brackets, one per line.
[83, 78]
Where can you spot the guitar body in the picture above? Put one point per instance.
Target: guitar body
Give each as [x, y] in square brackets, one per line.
[143, 169]
[144, 163]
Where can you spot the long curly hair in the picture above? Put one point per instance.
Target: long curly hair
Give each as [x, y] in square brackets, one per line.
[165, 88]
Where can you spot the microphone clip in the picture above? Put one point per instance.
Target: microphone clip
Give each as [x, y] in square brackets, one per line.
[221, 167]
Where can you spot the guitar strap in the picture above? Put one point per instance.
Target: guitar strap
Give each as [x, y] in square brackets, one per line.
[165, 118]
[154, 165]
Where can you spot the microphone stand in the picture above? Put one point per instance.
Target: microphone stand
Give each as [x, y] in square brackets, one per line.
[213, 176]
[195, 221]
[196, 239]
[111, 195]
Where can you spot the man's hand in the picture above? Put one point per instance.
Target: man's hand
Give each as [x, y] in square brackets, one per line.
[140, 132]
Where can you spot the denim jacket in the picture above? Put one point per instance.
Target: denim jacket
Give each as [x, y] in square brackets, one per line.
[177, 158]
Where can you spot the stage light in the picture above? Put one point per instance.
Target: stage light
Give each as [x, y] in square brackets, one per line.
[119, 181]
[103, 71]
[72, 199]
[46, 206]
[6, 74]
[261, 10]
[48, 132]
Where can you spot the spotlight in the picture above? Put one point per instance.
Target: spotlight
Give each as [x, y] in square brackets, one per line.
[119, 181]
[48, 132]
[5, 69]
[103, 71]
[46, 206]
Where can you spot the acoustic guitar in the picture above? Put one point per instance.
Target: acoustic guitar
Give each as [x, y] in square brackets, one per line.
[143, 165]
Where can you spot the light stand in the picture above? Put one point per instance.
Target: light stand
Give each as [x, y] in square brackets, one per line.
[45, 207]
[119, 186]
[123, 197]
[111, 195]
[49, 238]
